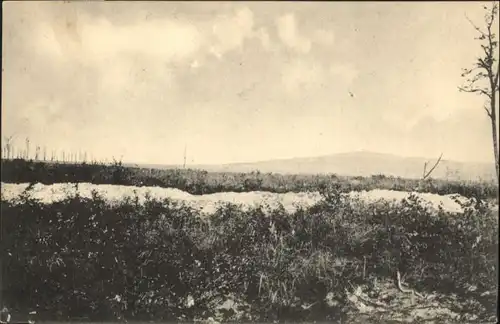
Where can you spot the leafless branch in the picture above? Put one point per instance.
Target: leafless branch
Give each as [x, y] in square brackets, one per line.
[8, 139]
[426, 175]
[475, 27]
[475, 90]
[407, 291]
[487, 111]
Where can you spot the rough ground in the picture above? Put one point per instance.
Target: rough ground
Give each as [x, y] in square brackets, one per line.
[384, 303]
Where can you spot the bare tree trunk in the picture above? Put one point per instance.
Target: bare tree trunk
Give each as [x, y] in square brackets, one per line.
[1, 283]
[1, 265]
[27, 148]
[495, 147]
[494, 134]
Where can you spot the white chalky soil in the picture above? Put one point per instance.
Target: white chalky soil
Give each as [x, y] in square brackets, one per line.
[209, 202]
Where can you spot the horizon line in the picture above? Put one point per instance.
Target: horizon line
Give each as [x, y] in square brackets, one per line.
[312, 157]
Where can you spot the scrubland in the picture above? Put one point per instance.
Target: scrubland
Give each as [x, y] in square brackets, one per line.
[160, 254]
[198, 182]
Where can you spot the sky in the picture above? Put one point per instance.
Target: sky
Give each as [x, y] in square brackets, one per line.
[242, 81]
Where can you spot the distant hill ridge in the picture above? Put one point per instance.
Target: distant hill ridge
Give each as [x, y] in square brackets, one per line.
[362, 163]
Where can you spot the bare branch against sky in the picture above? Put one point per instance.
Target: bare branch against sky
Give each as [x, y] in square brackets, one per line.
[241, 81]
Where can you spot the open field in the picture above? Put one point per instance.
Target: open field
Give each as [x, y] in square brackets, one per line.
[113, 251]
[362, 163]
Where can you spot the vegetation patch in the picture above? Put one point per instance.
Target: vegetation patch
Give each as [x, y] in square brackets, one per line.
[200, 182]
[159, 260]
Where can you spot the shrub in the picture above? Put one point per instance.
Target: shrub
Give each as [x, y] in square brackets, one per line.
[145, 261]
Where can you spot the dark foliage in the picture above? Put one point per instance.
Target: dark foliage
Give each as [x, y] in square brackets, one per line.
[87, 257]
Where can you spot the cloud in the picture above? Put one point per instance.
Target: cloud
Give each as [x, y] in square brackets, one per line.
[91, 39]
[346, 72]
[231, 31]
[195, 64]
[73, 35]
[464, 135]
[289, 35]
[306, 75]
[46, 42]
[324, 37]
[264, 38]
[302, 75]
[165, 39]
[135, 75]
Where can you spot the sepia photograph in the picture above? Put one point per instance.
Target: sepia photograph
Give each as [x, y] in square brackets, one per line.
[249, 162]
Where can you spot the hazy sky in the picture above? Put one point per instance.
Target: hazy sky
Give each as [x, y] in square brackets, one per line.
[242, 81]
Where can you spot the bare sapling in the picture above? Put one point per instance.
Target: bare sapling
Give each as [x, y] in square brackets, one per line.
[8, 146]
[482, 78]
[426, 173]
[27, 156]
